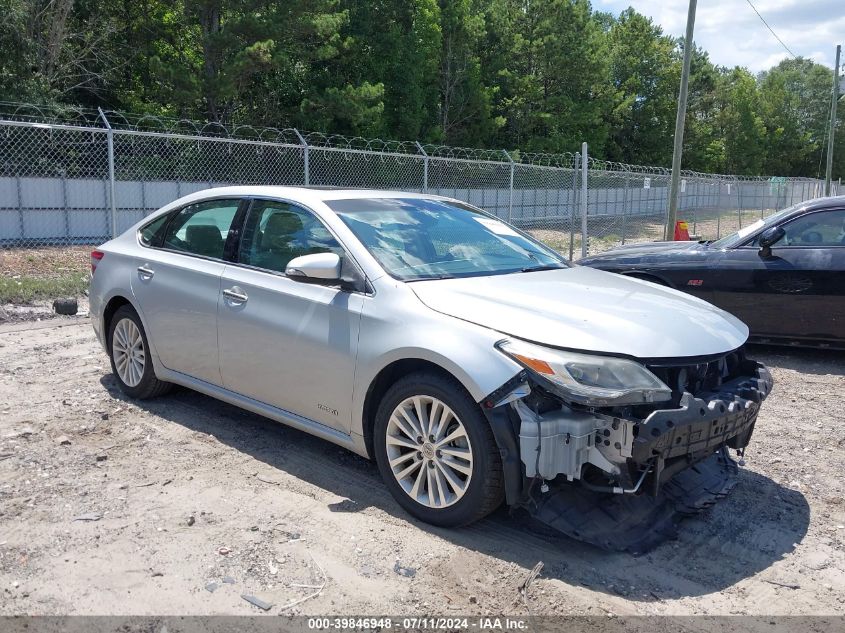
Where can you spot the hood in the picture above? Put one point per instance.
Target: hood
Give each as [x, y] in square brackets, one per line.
[588, 309]
[640, 250]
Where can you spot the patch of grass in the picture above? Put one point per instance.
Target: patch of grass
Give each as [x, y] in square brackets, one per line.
[26, 289]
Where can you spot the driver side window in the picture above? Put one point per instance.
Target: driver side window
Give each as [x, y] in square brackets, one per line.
[820, 229]
[277, 232]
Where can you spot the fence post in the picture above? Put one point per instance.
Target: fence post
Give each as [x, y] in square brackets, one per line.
[739, 203]
[584, 174]
[624, 204]
[425, 165]
[21, 221]
[719, 211]
[306, 156]
[110, 141]
[510, 192]
[763, 201]
[575, 159]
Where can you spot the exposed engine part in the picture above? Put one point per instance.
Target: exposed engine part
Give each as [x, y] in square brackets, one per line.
[561, 441]
[618, 490]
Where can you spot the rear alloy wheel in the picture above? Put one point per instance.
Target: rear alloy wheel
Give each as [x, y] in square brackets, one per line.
[130, 360]
[436, 452]
[128, 352]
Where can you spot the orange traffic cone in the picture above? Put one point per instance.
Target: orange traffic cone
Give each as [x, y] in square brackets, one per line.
[681, 231]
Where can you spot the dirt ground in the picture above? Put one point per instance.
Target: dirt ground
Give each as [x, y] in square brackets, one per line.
[180, 505]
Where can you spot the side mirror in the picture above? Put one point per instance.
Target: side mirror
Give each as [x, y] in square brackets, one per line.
[771, 236]
[322, 266]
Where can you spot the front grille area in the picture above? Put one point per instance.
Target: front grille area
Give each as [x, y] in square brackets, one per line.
[699, 378]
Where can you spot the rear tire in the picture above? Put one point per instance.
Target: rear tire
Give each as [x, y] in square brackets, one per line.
[436, 452]
[131, 363]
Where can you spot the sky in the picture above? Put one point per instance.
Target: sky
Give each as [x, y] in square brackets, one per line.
[733, 35]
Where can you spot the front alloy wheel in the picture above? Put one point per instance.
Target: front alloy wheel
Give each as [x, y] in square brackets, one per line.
[436, 452]
[429, 451]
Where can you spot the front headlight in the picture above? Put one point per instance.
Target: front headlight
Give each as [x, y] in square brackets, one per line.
[588, 379]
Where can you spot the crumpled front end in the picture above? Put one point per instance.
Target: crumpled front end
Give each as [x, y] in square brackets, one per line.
[643, 464]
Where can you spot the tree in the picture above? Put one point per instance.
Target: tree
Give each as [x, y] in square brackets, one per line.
[741, 130]
[795, 100]
[645, 73]
[397, 43]
[532, 75]
[552, 73]
[465, 115]
[703, 150]
[54, 50]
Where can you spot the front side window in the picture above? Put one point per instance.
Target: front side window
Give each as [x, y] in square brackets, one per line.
[277, 232]
[422, 238]
[735, 239]
[201, 229]
[824, 228]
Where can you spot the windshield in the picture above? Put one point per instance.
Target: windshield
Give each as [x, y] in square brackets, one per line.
[421, 238]
[736, 238]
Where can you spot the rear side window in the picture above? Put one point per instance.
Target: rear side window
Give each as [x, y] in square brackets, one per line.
[201, 229]
[151, 234]
[277, 232]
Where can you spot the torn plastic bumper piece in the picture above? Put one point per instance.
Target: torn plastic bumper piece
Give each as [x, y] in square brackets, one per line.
[636, 523]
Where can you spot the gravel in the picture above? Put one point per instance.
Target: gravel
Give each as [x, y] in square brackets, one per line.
[330, 537]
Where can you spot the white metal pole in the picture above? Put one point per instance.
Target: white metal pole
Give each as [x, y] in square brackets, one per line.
[305, 157]
[510, 197]
[425, 165]
[110, 142]
[584, 174]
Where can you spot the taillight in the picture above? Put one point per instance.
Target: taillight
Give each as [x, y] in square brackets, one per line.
[96, 256]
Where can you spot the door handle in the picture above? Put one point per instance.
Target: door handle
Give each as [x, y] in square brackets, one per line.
[235, 295]
[145, 272]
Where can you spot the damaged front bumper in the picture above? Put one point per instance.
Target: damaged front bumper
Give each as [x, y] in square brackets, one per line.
[674, 439]
[642, 457]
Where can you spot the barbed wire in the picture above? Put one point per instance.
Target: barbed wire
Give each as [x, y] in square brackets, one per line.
[160, 124]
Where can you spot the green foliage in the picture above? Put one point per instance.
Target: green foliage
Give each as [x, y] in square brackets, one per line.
[543, 75]
[795, 98]
[26, 289]
[551, 72]
[645, 71]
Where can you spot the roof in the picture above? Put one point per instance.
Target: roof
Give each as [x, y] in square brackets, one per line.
[305, 194]
[822, 203]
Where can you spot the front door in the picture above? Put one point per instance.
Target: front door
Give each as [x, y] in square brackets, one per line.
[286, 343]
[796, 291]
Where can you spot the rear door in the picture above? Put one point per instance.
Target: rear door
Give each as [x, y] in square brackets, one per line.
[177, 285]
[798, 291]
[290, 344]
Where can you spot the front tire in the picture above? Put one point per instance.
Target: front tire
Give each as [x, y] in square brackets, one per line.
[130, 359]
[436, 452]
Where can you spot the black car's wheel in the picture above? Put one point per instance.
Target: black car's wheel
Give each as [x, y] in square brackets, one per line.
[130, 360]
[436, 452]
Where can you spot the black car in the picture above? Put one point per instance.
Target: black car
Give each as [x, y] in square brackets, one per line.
[784, 276]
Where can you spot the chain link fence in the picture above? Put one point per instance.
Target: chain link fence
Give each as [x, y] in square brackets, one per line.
[68, 184]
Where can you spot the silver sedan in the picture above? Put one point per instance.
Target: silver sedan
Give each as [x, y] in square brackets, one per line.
[468, 359]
